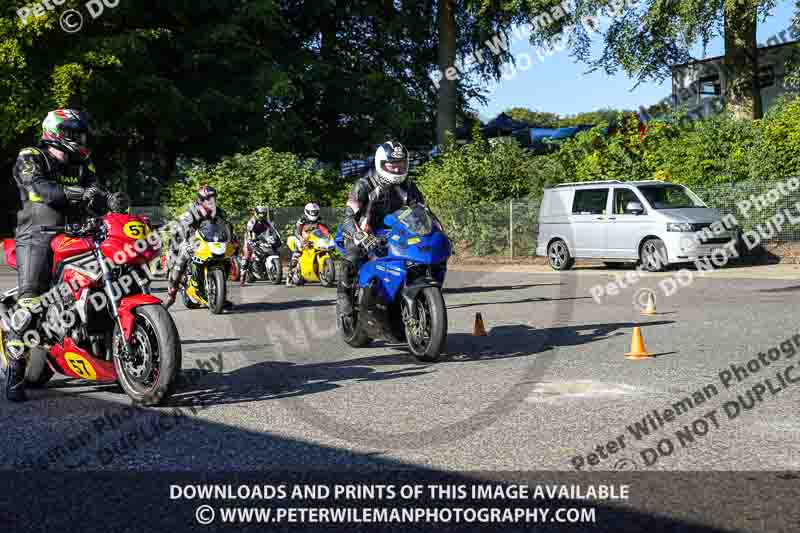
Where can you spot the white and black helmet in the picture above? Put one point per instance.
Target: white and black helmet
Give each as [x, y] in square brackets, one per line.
[391, 163]
[312, 212]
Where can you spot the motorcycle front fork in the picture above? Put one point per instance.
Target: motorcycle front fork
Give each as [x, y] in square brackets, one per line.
[113, 298]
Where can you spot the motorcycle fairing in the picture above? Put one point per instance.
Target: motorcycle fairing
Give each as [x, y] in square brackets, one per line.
[391, 274]
[72, 360]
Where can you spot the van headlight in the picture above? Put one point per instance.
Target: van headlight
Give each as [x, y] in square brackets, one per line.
[682, 227]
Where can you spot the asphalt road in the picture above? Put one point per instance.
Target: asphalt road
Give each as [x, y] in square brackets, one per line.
[549, 384]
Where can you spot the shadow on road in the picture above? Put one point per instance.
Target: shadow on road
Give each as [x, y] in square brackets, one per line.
[523, 340]
[208, 341]
[281, 379]
[512, 302]
[791, 288]
[479, 289]
[272, 380]
[191, 450]
[252, 307]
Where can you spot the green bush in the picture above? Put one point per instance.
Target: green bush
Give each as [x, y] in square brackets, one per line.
[261, 177]
[716, 150]
[469, 188]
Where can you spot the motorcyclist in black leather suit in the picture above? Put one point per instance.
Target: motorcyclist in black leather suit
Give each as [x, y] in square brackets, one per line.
[383, 191]
[183, 245]
[258, 224]
[56, 181]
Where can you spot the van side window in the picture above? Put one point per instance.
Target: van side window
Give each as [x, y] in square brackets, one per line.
[590, 202]
[621, 199]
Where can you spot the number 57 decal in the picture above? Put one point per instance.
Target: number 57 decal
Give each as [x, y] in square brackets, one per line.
[80, 366]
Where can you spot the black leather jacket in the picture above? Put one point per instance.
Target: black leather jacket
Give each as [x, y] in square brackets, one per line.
[196, 217]
[53, 189]
[369, 203]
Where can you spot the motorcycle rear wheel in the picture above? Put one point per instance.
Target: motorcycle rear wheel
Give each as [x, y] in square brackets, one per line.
[427, 341]
[275, 275]
[328, 275]
[39, 374]
[352, 334]
[155, 345]
[188, 301]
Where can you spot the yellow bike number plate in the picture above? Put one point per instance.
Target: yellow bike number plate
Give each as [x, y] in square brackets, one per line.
[136, 230]
[78, 364]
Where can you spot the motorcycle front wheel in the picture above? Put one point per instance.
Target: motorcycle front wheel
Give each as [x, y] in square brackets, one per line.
[216, 290]
[150, 372]
[426, 329]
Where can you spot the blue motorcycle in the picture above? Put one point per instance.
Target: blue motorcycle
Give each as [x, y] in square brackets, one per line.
[397, 295]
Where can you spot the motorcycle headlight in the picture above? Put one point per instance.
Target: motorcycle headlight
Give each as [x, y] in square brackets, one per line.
[217, 247]
[682, 227]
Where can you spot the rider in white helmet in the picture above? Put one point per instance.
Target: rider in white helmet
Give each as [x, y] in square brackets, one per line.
[311, 217]
[384, 190]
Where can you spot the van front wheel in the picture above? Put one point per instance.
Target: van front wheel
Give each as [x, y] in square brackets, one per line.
[558, 255]
[653, 255]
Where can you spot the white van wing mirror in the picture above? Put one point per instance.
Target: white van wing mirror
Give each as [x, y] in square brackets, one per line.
[634, 207]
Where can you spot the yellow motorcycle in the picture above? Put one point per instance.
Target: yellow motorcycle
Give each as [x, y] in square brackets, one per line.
[316, 262]
[205, 282]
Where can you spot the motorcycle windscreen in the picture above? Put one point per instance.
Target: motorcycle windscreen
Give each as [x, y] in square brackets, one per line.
[429, 250]
[214, 233]
[416, 220]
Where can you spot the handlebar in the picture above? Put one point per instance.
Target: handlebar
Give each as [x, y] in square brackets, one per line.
[73, 230]
[52, 229]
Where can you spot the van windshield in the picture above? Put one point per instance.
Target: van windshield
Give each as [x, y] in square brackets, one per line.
[670, 197]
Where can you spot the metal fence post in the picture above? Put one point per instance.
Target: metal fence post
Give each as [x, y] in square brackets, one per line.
[511, 227]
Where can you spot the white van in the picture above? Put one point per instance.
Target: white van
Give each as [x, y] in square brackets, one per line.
[653, 222]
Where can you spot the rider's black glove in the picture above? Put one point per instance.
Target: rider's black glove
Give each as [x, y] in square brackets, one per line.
[95, 199]
[118, 202]
[74, 194]
[366, 241]
[91, 193]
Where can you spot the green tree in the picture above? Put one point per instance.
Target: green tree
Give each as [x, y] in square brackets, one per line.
[539, 119]
[645, 39]
[263, 176]
[473, 40]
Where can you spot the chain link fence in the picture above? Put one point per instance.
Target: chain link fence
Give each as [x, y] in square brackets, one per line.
[510, 229]
[768, 203]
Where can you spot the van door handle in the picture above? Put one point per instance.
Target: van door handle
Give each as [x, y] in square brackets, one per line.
[612, 218]
[600, 218]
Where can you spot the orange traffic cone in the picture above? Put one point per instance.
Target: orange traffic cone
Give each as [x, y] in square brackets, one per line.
[651, 304]
[637, 346]
[479, 330]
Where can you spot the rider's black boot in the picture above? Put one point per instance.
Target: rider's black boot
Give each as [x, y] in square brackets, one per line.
[344, 291]
[244, 273]
[15, 380]
[344, 299]
[172, 285]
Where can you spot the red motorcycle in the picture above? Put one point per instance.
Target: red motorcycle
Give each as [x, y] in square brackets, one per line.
[100, 322]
